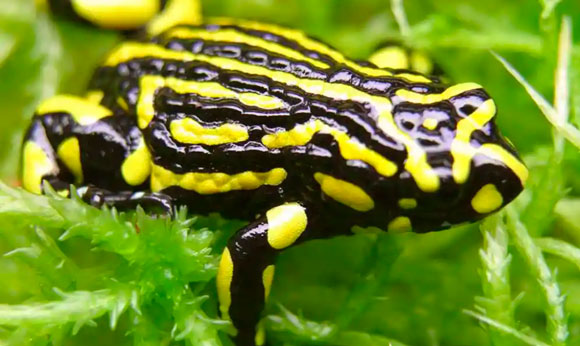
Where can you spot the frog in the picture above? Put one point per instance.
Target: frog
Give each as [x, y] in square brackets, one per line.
[264, 123]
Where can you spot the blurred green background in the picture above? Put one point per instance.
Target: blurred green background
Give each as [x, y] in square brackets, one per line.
[410, 288]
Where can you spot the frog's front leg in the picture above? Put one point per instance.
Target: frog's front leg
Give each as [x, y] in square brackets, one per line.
[75, 140]
[246, 269]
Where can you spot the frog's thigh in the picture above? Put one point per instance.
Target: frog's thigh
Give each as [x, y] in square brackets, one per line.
[77, 140]
[51, 149]
[246, 269]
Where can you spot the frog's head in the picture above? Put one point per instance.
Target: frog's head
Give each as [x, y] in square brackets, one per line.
[471, 169]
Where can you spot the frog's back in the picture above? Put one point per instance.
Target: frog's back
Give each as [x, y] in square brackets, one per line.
[247, 114]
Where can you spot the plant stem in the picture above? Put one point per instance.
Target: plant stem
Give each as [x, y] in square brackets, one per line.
[556, 317]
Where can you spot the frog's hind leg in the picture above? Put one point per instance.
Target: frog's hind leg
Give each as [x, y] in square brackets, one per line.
[75, 140]
[246, 269]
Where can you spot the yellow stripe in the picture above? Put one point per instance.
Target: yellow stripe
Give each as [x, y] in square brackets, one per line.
[224, 281]
[36, 164]
[416, 164]
[350, 149]
[498, 153]
[150, 84]
[69, 153]
[461, 149]
[463, 152]
[344, 192]
[189, 131]
[310, 44]
[232, 36]
[414, 97]
[83, 111]
[212, 183]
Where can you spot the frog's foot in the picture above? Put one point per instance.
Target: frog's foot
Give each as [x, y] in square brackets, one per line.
[152, 202]
[246, 269]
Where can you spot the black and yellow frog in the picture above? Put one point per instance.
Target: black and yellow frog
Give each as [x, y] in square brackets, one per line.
[264, 123]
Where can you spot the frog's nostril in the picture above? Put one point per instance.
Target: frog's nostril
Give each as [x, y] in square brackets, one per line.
[408, 125]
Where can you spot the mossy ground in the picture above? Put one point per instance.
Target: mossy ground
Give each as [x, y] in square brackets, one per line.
[72, 274]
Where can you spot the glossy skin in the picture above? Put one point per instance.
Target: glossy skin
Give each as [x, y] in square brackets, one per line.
[252, 120]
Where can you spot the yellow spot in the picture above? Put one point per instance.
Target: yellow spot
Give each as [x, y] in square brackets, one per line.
[212, 183]
[150, 84]
[36, 164]
[391, 57]
[414, 97]
[408, 203]
[430, 123]
[176, 12]
[267, 278]
[350, 149]
[345, 192]
[285, 225]
[487, 199]
[224, 281]
[95, 96]
[229, 35]
[416, 164]
[137, 166]
[421, 63]
[400, 224]
[189, 131]
[69, 153]
[84, 112]
[119, 14]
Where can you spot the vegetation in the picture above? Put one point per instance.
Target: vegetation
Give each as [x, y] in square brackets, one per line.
[72, 274]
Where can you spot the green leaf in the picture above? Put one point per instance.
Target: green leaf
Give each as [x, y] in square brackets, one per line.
[571, 133]
[560, 248]
[556, 317]
[496, 303]
[506, 329]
